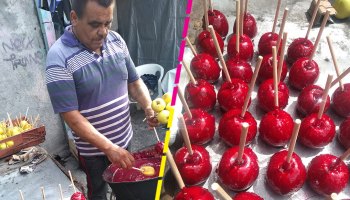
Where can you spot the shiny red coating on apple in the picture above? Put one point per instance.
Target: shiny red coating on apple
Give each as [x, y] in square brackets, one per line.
[219, 22]
[276, 128]
[236, 175]
[246, 49]
[266, 95]
[247, 196]
[77, 196]
[195, 168]
[194, 193]
[285, 178]
[299, 48]
[232, 95]
[204, 66]
[327, 174]
[310, 99]
[201, 127]
[303, 73]
[266, 42]
[341, 101]
[249, 26]
[316, 133]
[200, 95]
[266, 69]
[239, 69]
[205, 43]
[230, 127]
[344, 133]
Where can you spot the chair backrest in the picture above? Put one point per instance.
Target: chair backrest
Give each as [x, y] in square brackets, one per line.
[154, 69]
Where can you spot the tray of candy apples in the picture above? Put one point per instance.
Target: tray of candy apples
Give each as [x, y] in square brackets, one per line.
[19, 133]
[278, 130]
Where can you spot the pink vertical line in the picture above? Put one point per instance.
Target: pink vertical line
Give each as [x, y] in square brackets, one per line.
[173, 98]
[186, 22]
[178, 73]
[189, 7]
[182, 49]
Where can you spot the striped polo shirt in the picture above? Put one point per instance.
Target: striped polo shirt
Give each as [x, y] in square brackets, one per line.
[96, 85]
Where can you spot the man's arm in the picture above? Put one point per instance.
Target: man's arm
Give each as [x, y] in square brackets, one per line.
[139, 92]
[82, 127]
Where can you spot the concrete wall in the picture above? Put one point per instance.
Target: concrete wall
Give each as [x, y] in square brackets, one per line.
[22, 77]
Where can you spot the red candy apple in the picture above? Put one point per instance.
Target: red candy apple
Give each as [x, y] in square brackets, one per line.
[341, 101]
[201, 127]
[249, 26]
[194, 193]
[231, 124]
[218, 21]
[276, 127]
[235, 175]
[344, 133]
[327, 174]
[316, 133]
[266, 42]
[266, 95]
[200, 95]
[247, 196]
[195, 168]
[310, 99]
[246, 50]
[303, 73]
[205, 43]
[204, 66]
[239, 69]
[266, 69]
[232, 95]
[285, 178]
[77, 196]
[299, 48]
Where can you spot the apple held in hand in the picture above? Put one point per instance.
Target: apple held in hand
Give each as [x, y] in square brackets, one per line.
[194, 193]
[235, 175]
[167, 97]
[201, 127]
[205, 43]
[195, 168]
[163, 116]
[201, 95]
[219, 22]
[327, 174]
[204, 66]
[158, 104]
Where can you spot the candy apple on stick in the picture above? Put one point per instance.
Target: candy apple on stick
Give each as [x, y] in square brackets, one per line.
[238, 167]
[204, 66]
[318, 129]
[76, 195]
[240, 196]
[344, 133]
[328, 174]
[218, 20]
[193, 192]
[286, 173]
[230, 123]
[248, 25]
[199, 93]
[200, 125]
[302, 47]
[341, 97]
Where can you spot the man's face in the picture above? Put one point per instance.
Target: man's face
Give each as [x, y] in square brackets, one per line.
[93, 26]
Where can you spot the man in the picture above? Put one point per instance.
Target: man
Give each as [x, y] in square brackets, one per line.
[89, 73]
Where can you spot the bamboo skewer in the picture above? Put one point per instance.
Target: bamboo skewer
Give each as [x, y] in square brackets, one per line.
[61, 193]
[237, 24]
[345, 155]
[155, 132]
[193, 80]
[43, 193]
[342, 75]
[191, 46]
[10, 121]
[276, 16]
[324, 22]
[281, 60]
[21, 195]
[246, 7]
[206, 20]
[242, 142]
[71, 179]
[293, 140]
[216, 187]
[175, 170]
[275, 81]
[284, 19]
[324, 96]
[335, 63]
[241, 20]
[184, 103]
[312, 19]
[211, 5]
[185, 135]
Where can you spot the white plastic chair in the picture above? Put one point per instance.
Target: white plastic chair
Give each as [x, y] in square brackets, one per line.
[154, 69]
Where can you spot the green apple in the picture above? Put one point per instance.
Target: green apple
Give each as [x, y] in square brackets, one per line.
[9, 143]
[163, 116]
[343, 8]
[3, 146]
[158, 104]
[167, 97]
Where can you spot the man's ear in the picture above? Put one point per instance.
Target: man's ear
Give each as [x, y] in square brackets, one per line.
[73, 17]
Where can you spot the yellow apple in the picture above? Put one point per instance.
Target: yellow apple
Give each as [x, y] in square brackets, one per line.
[343, 8]
[2, 137]
[2, 131]
[3, 125]
[9, 143]
[23, 123]
[3, 146]
[16, 130]
[167, 97]
[9, 131]
[163, 116]
[169, 107]
[27, 127]
[158, 104]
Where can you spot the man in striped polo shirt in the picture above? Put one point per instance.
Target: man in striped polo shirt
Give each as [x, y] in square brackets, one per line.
[89, 75]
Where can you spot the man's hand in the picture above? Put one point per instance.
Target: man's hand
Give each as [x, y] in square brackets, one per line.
[120, 156]
[151, 118]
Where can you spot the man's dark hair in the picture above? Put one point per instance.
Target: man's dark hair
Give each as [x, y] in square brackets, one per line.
[79, 5]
